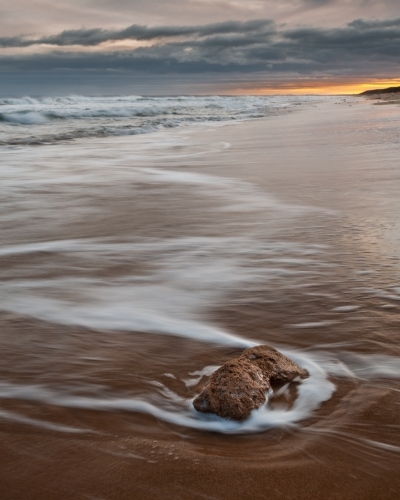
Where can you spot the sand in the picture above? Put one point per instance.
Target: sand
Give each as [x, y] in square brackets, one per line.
[336, 165]
[385, 98]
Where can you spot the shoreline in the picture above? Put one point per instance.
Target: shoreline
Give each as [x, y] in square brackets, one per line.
[304, 192]
[384, 98]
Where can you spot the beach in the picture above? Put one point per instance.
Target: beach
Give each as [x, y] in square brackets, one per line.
[389, 96]
[132, 266]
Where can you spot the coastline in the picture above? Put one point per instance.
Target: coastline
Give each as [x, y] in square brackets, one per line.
[349, 447]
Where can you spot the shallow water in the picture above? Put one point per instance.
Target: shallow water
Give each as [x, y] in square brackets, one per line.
[131, 267]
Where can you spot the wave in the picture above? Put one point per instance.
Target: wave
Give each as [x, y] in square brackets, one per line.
[34, 121]
[71, 99]
[24, 118]
[167, 406]
[94, 130]
[36, 117]
[187, 275]
[81, 133]
[210, 101]
[81, 107]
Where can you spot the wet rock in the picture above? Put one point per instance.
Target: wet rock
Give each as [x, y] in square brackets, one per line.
[240, 385]
[274, 364]
[234, 390]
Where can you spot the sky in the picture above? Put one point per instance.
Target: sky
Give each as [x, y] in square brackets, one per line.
[170, 47]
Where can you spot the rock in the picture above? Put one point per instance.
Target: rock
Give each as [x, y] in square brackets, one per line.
[274, 364]
[234, 390]
[239, 386]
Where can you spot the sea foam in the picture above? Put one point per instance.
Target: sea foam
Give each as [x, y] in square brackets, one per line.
[164, 404]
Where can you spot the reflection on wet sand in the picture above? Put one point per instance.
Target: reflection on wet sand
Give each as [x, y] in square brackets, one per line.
[126, 280]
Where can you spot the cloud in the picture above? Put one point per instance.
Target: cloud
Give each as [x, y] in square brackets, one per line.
[247, 48]
[96, 36]
[44, 17]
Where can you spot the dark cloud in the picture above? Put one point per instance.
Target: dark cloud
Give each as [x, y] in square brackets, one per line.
[316, 3]
[370, 24]
[96, 36]
[362, 47]
[193, 46]
[43, 17]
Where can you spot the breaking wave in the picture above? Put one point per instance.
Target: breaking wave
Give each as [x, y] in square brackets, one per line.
[47, 120]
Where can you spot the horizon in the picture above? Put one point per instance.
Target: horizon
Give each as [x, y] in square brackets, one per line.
[347, 91]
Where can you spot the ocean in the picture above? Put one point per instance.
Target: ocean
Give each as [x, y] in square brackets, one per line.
[49, 120]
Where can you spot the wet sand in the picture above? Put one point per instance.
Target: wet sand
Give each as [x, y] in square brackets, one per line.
[318, 191]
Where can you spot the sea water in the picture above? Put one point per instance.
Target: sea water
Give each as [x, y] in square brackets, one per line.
[133, 253]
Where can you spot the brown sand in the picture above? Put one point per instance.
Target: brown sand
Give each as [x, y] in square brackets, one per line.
[349, 448]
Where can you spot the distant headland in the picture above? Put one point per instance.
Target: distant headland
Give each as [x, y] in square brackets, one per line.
[390, 90]
[389, 95]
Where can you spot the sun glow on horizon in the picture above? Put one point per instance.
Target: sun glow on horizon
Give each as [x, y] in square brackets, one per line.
[321, 88]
